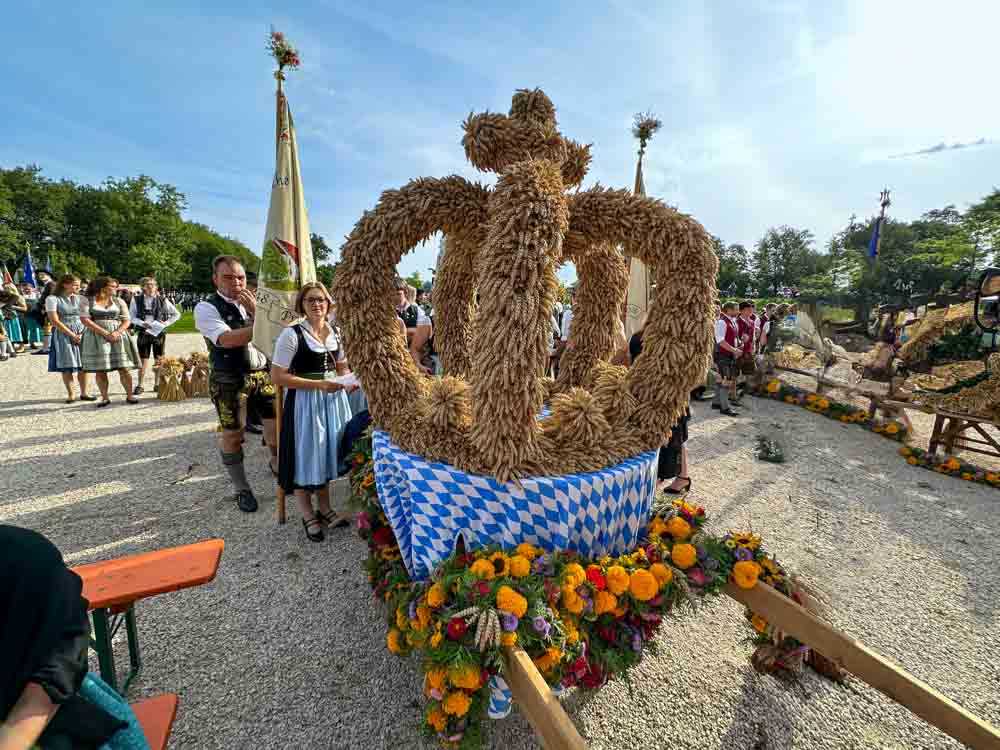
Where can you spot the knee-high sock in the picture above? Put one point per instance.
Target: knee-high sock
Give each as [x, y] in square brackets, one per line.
[234, 465]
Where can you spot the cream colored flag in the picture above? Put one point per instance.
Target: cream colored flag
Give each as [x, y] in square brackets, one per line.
[639, 277]
[286, 260]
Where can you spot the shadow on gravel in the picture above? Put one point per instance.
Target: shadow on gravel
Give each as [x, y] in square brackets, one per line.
[755, 703]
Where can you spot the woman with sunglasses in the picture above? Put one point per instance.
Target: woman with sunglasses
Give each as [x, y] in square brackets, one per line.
[307, 356]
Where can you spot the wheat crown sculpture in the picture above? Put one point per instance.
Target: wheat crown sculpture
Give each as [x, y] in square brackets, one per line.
[495, 290]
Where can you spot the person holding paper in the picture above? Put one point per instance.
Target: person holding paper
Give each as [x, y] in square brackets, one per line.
[309, 363]
[152, 314]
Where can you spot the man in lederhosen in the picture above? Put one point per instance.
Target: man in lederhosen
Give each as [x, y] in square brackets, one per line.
[237, 370]
[418, 325]
[151, 314]
[727, 352]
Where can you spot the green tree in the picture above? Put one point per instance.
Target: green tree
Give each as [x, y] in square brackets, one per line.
[414, 280]
[31, 211]
[734, 268]
[784, 257]
[205, 246]
[982, 222]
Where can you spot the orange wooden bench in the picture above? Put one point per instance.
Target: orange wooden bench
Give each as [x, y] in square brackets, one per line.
[113, 587]
[156, 717]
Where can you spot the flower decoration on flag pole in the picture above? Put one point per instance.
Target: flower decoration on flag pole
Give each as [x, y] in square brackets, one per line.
[283, 53]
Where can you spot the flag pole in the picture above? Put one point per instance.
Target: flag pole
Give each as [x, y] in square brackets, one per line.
[644, 126]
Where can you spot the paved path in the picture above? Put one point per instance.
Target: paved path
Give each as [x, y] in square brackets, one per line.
[286, 648]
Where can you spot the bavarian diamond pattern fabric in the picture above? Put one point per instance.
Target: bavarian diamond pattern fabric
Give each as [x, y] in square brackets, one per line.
[431, 504]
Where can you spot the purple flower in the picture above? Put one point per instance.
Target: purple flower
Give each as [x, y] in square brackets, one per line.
[541, 626]
[509, 621]
[696, 576]
[436, 694]
[637, 643]
[413, 609]
[702, 552]
[743, 554]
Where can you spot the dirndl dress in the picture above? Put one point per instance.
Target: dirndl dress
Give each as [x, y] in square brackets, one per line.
[64, 355]
[101, 355]
[312, 423]
[33, 332]
[13, 328]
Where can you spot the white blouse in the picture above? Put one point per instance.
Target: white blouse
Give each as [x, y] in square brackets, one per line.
[116, 303]
[288, 344]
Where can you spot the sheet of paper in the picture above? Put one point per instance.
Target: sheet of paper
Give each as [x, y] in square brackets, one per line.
[347, 381]
[155, 328]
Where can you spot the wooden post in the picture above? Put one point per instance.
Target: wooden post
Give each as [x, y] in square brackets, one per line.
[278, 406]
[554, 729]
[880, 673]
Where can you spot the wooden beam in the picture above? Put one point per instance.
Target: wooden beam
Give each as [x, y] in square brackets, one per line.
[880, 673]
[554, 729]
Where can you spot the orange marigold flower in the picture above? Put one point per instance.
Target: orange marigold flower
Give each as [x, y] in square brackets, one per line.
[684, 555]
[643, 585]
[746, 573]
[436, 595]
[617, 580]
[483, 569]
[759, 623]
[679, 528]
[520, 566]
[456, 703]
[510, 601]
[661, 573]
[572, 601]
[605, 601]
[467, 676]
[434, 679]
[437, 719]
[574, 575]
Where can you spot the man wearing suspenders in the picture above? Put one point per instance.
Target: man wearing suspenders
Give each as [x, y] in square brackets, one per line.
[238, 370]
[151, 314]
[727, 352]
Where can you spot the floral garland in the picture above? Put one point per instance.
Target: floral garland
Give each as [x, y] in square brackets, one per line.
[581, 621]
[819, 404]
[950, 465]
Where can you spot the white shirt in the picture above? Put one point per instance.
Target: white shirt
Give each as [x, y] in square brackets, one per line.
[208, 321]
[287, 345]
[172, 315]
[720, 328]
[567, 320]
[86, 306]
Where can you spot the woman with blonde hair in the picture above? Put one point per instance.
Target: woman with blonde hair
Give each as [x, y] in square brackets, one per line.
[307, 357]
[106, 345]
[63, 310]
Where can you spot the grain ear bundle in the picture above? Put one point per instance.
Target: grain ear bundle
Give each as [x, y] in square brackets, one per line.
[169, 372]
[979, 400]
[504, 246]
[198, 363]
[934, 325]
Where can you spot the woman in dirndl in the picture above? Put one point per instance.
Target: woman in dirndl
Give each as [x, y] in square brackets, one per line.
[106, 344]
[307, 355]
[63, 310]
[13, 306]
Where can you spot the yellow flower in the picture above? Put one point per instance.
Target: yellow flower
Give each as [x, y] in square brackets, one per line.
[527, 550]
[952, 464]
[643, 585]
[745, 574]
[501, 564]
[684, 555]
[892, 428]
[549, 659]
[572, 634]
[465, 676]
[482, 569]
[437, 719]
[822, 404]
[770, 566]
[811, 398]
[877, 428]
[605, 601]
[966, 476]
[436, 595]
[661, 573]
[402, 622]
[789, 399]
[679, 528]
[572, 601]
[456, 703]
[510, 601]
[774, 386]
[844, 418]
[912, 461]
[424, 616]
[520, 566]
[434, 679]
[657, 527]
[508, 639]
[437, 638]
[574, 575]
[759, 623]
[904, 451]
[992, 478]
[617, 580]
[392, 641]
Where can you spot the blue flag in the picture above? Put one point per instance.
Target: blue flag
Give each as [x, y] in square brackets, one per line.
[28, 276]
[876, 239]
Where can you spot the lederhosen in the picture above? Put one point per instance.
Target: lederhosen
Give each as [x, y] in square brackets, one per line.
[232, 375]
[305, 364]
[724, 360]
[148, 343]
[746, 328]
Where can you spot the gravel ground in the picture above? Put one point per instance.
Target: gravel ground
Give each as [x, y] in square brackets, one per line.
[285, 648]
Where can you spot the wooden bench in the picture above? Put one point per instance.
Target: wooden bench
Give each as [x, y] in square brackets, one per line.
[113, 587]
[156, 717]
[951, 431]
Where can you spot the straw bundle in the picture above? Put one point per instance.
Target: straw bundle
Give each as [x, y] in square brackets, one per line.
[169, 372]
[934, 325]
[979, 400]
[198, 363]
[793, 355]
[506, 244]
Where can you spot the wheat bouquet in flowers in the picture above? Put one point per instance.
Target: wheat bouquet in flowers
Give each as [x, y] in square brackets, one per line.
[282, 51]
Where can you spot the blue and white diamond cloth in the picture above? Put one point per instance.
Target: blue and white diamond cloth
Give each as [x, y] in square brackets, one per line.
[430, 505]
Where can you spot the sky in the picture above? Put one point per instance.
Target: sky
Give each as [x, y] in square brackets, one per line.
[773, 112]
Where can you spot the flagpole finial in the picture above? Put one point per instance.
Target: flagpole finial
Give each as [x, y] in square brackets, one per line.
[884, 198]
[284, 54]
